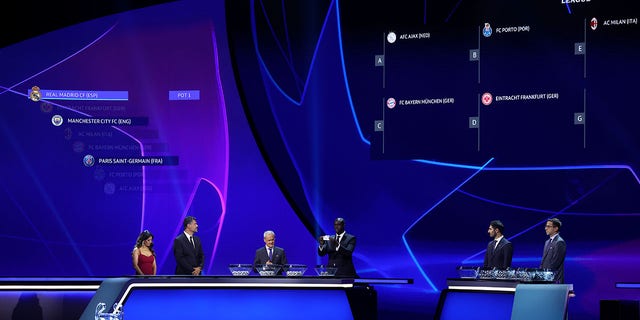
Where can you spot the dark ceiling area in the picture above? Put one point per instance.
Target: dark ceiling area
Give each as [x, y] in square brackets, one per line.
[28, 19]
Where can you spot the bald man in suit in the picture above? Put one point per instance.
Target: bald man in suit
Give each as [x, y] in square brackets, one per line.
[339, 248]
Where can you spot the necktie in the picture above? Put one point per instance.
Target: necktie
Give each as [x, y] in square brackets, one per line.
[547, 245]
[495, 245]
[338, 239]
[192, 243]
[270, 253]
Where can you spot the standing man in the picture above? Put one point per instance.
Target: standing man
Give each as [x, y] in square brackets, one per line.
[269, 253]
[555, 250]
[187, 249]
[499, 250]
[340, 250]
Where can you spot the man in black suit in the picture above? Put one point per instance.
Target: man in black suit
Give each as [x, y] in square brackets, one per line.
[499, 250]
[269, 253]
[187, 249]
[340, 250]
[555, 249]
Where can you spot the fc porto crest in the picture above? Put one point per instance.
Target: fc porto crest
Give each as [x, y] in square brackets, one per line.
[486, 31]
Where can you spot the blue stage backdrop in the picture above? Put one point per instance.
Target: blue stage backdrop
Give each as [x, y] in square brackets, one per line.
[418, 122]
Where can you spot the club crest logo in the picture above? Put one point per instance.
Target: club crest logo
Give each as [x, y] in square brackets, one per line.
[487, 98]
[486, 31]
[57, 120]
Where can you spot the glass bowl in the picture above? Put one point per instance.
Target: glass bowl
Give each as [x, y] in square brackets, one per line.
[325, 271]
[295, 270]
[239, 269]
[268, 270]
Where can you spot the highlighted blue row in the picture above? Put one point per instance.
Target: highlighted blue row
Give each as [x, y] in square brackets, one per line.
[105, 95]
[89, 161]
[83, 95]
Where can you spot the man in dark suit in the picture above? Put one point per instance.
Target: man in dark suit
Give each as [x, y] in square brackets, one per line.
[187, 249]
[555, 249]
[340, 250]
[499, 250]
[269, 253]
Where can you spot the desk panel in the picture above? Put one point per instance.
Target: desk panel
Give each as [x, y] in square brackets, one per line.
[240, 304]
[236, 298]
[474, 305]
[472, 299]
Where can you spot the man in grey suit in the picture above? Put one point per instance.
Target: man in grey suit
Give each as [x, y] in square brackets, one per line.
[187, 249]
[340, 250]
[499, 250]
[555, 249]
[269, 253]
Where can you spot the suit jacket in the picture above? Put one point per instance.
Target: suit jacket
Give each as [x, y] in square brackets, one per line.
[278, 257]
[501, 256]
[341, 258]
[187, 257]
[553, 257]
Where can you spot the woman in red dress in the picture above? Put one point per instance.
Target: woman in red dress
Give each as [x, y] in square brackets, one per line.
[144, 258]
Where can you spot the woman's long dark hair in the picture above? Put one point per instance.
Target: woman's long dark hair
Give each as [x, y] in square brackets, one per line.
[142, 237]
